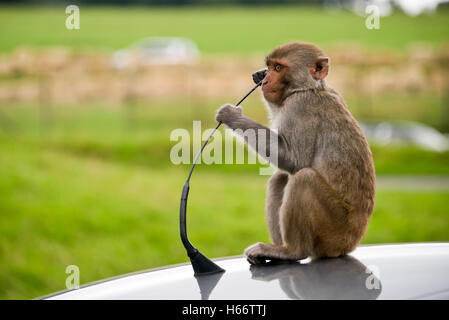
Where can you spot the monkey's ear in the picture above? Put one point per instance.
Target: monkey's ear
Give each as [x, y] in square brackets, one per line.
[321, 68]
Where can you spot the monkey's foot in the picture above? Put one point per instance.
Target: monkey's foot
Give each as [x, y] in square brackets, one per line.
[261, 253]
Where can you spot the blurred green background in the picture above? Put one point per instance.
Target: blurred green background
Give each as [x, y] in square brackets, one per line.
[85, 172]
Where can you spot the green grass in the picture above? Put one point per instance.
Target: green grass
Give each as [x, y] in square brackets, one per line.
[139, 134]
[427, 108]
[92, 189]
[215, 30]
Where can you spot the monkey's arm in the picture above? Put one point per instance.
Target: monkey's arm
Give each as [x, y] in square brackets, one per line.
[264, 141]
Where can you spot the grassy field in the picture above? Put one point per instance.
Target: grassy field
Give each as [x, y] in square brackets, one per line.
[89, 188]
[215, 30]
[93, 185]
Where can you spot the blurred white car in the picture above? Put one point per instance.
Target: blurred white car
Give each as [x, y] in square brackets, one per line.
[157, 51]
[405, 132]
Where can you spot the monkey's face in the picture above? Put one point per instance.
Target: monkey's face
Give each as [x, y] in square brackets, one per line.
[274, 83]
[296, 65]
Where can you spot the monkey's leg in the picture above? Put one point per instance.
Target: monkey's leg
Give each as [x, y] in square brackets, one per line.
[312, 220]
[275, 193]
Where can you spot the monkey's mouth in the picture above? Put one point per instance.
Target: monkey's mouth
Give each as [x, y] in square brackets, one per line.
[269, 90]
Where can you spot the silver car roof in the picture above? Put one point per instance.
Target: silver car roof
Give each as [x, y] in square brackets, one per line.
[396, 271]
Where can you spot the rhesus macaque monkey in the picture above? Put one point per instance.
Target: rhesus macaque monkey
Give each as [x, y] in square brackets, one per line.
[321, 197]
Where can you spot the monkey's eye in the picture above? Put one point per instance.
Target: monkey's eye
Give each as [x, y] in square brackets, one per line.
[278, 67]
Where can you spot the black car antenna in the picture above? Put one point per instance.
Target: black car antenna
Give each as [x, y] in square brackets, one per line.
[200, 263]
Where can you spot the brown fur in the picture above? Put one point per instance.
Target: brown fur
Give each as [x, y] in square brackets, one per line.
[320, 199]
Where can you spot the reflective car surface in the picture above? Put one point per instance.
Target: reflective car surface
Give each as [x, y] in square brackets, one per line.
[398, 271]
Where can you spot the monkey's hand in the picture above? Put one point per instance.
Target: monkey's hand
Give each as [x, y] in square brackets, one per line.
[228, 113]
[259, 75]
